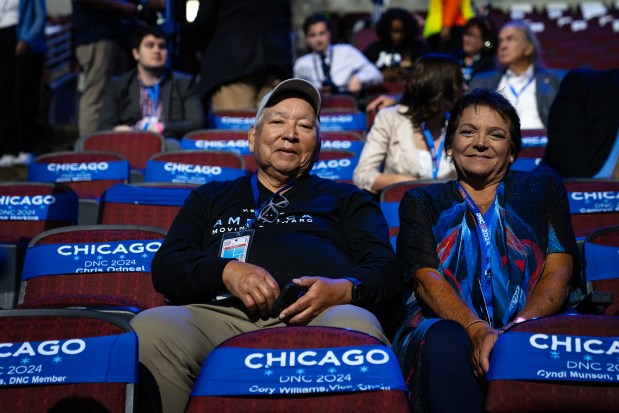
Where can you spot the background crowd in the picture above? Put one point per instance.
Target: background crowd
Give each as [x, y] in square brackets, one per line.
[365, 58]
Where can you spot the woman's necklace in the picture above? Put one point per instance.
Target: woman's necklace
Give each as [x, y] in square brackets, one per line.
[484, 204]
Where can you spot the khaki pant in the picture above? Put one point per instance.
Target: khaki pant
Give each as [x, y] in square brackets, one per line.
[175, 341]
[99, 62]
[244, 94]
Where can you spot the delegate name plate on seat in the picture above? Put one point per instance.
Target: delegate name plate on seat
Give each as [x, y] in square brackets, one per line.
[335, 168]
[163, 171]
[122, 256]
[593, 202]
[538, 356]
[60, 206]
[235, 371]
[232, 145]
[79, 360]
[78, 171]
[344, 121]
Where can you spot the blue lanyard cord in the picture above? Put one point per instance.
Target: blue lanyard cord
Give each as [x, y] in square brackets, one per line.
[518, 93]
[484, 233]
[434, 153]
[153, 93]
[258, 211]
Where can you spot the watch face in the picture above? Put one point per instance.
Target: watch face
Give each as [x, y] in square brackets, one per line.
[357, 293]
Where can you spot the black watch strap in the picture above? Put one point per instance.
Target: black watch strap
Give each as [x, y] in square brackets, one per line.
[358, 291]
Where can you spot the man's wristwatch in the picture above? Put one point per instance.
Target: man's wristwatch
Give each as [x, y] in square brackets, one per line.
[358, 291]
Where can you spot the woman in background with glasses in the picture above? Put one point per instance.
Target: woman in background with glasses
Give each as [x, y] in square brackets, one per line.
[478, 47]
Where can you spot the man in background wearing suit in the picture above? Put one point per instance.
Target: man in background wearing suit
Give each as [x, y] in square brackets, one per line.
[152, 97]
[529, 87]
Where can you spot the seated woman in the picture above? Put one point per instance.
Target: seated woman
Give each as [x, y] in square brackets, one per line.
[492, 248]
[478, 47]
[398, 45]
[406, 140]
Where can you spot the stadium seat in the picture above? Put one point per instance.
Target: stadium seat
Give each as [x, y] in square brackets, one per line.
[95, 266]
[151, 204]
[336, 164]
[232, 119]
[338, 101]
[194, 166]
[594, 203]
[136, 146]
[343, 120]
[534, 143]
[524, 396]
[390, 198]
[88, 173]
[86, 362]
[342, 140]
[233, 140]
[601, 253]
[364, 37]
[26, 210]
[29, 208]
[302, 338]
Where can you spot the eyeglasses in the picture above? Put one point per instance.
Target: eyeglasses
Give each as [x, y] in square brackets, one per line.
[270, 212]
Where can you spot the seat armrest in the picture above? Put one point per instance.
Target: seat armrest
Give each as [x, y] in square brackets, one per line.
[595, 302]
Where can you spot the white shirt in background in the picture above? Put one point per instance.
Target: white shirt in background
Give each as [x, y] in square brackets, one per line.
[520, 90]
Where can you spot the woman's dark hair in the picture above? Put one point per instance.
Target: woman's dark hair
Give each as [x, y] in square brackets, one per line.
[488, 31]
[411, 27]
[495, 102]
[435, 80]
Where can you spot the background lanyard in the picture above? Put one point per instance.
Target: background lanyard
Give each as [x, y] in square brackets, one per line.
[435, 153]
[484, 234]
[517, 94]
[256, 193]
[153, 93]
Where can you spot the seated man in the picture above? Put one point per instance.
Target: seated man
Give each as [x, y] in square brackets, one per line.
[338, 68]
[151, 97]
[529, 87]
[251, 236]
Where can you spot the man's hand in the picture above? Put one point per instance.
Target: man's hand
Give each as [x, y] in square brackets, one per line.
[253, 285]
[21, 48]
[322, 293]
[394, 74]
[355, 85]
[380, 102]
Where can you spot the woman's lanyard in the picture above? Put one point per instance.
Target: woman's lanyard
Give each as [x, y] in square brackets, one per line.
[258, 211]
[518, 93]
[434, 153]
[484, 234]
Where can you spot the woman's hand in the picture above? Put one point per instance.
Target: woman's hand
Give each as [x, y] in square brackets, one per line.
[483, 338]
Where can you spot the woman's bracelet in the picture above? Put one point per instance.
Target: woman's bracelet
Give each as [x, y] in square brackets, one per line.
[479, 320]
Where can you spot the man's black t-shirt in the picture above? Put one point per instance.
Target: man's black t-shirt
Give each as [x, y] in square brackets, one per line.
[328, 229]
